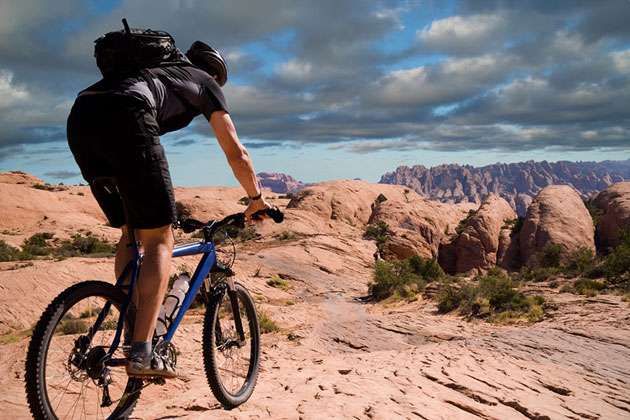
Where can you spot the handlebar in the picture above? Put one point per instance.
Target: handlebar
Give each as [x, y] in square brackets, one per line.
[237, 219]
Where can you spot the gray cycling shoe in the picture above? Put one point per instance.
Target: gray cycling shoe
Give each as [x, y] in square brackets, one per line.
[156, 367]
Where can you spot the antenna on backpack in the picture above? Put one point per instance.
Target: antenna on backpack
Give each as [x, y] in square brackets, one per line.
[126, 25]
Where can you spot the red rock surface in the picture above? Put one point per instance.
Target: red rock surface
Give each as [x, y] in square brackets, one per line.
[419, 225]
[478, 244]
[556, 216]
[335, 357]
[615, 203]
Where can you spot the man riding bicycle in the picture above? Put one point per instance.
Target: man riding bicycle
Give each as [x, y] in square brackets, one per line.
[113, 130]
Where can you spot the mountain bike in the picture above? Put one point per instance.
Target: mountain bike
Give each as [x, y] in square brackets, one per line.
[75, 365]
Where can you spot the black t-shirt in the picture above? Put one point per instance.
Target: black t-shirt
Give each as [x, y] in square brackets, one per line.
[181, 93]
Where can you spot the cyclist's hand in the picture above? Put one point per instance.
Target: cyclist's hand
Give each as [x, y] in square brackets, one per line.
[253, 207]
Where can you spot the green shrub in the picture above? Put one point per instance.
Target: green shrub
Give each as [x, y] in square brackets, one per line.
[616, 265]
[277, 282]
[244, 201]
[379, 232]
[596, 213]
[288, 235]
[578, 260]
[428, 269]
[36, 245]
[549, 256]
[73, 326]
[462, 223]
[493, 295]
[7, 252]
[395, 278]
[514, 224]
[381, 198]
[588, 287]
[267, 325]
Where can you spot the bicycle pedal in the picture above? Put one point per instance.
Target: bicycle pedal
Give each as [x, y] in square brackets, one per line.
[157, 381]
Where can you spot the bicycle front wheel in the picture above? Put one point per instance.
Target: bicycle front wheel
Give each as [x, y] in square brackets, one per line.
[64, 371]
[231, 367]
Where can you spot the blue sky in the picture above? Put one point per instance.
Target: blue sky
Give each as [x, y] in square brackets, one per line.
[342, 89]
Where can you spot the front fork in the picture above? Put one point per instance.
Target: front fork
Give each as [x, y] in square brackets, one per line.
[238, 322]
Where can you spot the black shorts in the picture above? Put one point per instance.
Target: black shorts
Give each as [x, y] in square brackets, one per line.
[117, 136]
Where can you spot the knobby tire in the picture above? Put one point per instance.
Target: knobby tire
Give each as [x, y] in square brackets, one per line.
[226, 364]
[54, 324]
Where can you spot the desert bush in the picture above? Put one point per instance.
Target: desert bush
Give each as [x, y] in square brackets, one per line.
[549, 256]
[379, 232]
[277, 282]
[596, 213]
[36, 245]
[395, 278]
[73, 326]
[588, 287]
[428, 269]
[514, 224]
[267, 325]
[578, 260]
[493, 296]
[616, 265]
[381, 198]
[288, 235]
[462, 224]
[8, 252]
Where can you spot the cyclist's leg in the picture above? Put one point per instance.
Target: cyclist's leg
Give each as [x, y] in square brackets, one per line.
[158, 249]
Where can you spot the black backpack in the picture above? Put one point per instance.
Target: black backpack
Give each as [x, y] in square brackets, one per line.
[129, 51]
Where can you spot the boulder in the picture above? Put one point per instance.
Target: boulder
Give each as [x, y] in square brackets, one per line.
[557, 215]
[614, 201]
[350, 201]
[419, 226]
[478, 244]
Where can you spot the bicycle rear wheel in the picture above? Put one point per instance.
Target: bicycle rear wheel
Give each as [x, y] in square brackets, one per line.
[64, 376]
[231, 369]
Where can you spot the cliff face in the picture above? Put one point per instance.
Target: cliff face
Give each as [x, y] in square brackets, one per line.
[517, 183]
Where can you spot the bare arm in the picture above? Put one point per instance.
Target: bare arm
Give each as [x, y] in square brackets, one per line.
[238, 158]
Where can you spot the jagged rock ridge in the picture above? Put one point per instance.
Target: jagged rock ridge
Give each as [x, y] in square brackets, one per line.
[280, 183]
[517, 183]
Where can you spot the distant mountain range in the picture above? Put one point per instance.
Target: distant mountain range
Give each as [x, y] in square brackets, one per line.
[518, 183]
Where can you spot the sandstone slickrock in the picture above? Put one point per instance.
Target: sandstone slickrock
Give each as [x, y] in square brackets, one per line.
[615, 202]
[350, 201]
[280, 183]
[557, 215]
[478, 245]
[513, 182]
[419, 225]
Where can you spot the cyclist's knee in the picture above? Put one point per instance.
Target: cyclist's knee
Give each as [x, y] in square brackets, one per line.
[162, 236]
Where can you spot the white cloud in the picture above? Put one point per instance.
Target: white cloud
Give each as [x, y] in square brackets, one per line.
[622, 61]
[9, 92]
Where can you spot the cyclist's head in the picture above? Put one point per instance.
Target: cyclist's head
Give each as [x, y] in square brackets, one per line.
[208, 59]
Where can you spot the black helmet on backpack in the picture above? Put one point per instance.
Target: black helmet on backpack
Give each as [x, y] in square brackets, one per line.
[209, 60]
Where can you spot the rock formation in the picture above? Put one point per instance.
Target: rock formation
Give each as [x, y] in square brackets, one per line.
[419, 226]
[517, 183]
[349, 200]
[280, 183]
[614, 201]
[556, 216]
[477, 246]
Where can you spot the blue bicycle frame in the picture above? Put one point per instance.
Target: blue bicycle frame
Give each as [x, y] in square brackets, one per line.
[207, 262]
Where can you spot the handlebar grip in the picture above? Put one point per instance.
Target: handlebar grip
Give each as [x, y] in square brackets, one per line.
[273, 212]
